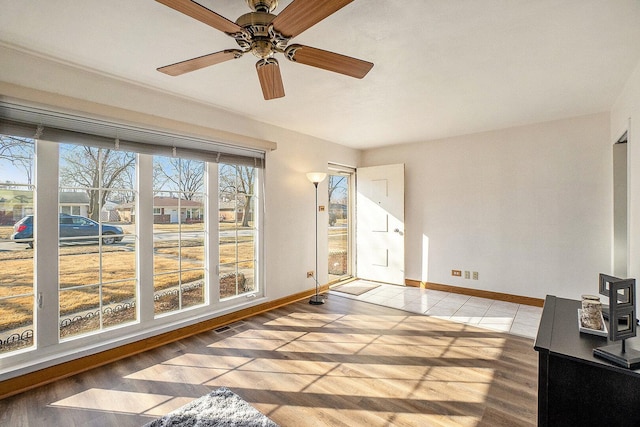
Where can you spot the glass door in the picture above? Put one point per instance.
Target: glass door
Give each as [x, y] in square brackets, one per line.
[340, 222]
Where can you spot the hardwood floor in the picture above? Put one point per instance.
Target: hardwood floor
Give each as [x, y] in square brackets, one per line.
[344, 363]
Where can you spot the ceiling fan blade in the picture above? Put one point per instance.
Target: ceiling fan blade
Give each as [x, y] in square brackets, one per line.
[303, 14]
[202, 14]
[270, 78]
[200, 62]
[329, 61]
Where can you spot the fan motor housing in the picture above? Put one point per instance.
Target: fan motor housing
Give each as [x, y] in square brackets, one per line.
[260, 38]
[256, 23]
[262, 5]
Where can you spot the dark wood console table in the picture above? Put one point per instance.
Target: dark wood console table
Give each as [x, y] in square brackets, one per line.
[574, 387]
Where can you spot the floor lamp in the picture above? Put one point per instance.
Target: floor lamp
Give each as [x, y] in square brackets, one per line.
[316, 178]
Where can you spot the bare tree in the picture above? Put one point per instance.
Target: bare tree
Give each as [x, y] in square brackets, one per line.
[96, 171]
[335, 186]
[238, 183]
[19, 152]
[183, 175]
[128, 181]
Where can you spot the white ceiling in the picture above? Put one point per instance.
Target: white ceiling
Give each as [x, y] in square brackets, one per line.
[442, 67]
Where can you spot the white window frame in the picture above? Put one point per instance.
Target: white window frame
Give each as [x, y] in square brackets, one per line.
[49, 350]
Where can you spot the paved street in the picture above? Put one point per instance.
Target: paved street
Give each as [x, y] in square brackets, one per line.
[129, 239]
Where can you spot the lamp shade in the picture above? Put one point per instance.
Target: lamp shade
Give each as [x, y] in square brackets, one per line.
[316, 177]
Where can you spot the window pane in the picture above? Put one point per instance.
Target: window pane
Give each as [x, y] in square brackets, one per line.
[79, 266]
[166, 292]
[166, 253]
[97, 238]
[16, 239]
[192, 287]
[246, 271]
[16, 317]
[79, 310]
[230, 281]
[237, 201]
[178, 233]
[339, 227]
[118, 263]
[118, 303]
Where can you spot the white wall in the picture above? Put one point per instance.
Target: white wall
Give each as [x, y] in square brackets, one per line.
[625, 116]
[291, 208]
[529, 208]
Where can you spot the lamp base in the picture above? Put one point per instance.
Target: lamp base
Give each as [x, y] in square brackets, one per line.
[316, 300]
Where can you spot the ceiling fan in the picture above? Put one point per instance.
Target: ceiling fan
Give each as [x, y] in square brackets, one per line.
[264, 34]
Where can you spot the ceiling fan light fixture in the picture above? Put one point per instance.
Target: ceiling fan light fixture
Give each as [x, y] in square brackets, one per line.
[255, 26]
[262, 48]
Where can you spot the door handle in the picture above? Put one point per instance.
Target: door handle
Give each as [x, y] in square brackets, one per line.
[397, 230]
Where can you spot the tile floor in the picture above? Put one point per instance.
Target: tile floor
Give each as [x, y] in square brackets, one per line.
[495, 315]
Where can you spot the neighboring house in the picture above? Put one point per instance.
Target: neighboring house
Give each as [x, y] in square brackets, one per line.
[109, 212]
[165, 211]
[74, 203]
[14, 205]
[77, 203]
[228, 212]
[126, 211]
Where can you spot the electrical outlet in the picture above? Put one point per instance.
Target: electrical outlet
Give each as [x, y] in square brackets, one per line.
[475, 275]
[467, 274]
[309, 274]
[457, 273]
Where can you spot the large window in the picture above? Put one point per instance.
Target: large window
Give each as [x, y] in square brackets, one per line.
[238, 199]
[97, 259]
[178, 233]
[16, 239]
[104, 238]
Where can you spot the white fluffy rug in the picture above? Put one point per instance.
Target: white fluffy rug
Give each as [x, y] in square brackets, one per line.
[221, 407]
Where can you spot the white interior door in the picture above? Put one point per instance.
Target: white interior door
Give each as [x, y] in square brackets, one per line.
[380, 223]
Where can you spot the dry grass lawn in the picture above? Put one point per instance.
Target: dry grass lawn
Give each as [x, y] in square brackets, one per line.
[5, 232]
[79, 265]
[338, 237]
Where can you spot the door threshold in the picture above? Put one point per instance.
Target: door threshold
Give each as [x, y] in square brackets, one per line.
[341, 282]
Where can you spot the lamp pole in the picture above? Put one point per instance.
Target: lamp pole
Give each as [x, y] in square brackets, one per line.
[316, 178]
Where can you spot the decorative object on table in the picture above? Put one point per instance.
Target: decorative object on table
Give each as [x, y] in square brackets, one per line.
[591, 313]
[221, 407]
[316, 178]
[622, 324]
[603, 289]
[603, 332]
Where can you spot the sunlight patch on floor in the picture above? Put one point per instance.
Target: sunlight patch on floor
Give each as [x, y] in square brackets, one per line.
[113, 401]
